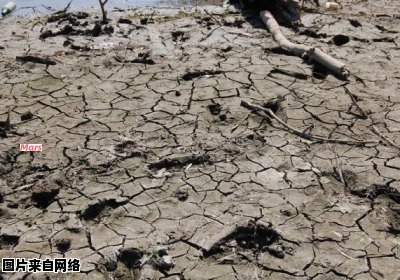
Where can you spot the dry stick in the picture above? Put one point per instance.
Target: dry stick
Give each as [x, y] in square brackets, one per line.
[209, 34]
[300, 133]
[384, 137]
[353, 99]
[66, 8]
[214, 18]
[241, 121]
[104, 13]
[303, 51]
[365, 116]
[339, 168]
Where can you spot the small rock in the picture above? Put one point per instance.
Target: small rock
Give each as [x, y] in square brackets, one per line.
[226, 49]
[162, 251]
[167, 263]
[111, 261]
[164, 263]
[222, 117]
[181, 194]
[234, 22]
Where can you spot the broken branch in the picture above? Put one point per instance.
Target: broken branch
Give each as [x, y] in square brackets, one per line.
[103, 11]
[353, 99]
[305, 52]
[364, 115]
[383, 137]
[300, 133]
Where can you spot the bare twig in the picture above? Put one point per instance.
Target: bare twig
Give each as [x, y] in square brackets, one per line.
[302, 134]
[65, 9]
[47, 8]
[347, 256]
[308, 53]
[212, 16]
[241, 121]
[209, 34]
[365, 116]
[339, 169]
[383, 137]
[103, 11]
[353, 99]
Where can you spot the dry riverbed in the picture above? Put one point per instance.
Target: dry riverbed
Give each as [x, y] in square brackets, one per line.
[152, 168]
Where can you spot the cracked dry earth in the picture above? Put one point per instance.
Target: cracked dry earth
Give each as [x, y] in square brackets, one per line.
[151, 169]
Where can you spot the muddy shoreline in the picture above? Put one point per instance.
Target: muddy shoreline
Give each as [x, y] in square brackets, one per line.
[152, 168]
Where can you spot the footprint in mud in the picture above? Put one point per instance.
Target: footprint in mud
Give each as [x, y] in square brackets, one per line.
[94, 209]
[255, 236]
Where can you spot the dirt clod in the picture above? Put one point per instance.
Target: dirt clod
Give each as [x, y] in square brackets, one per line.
[44, 193]
[63, 245]
[130, 257]
[215, 109]
[8, 241]
[26, 116]
[341, 40]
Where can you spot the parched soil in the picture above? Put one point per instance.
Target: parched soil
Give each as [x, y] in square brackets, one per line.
[152, 169]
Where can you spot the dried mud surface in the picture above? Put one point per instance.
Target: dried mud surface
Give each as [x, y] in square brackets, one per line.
[151, 169]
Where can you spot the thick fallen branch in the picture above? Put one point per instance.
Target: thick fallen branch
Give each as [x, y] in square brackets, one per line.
[308, 53]
[303, 134]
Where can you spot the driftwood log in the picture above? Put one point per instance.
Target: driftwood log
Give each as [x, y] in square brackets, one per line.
[311, 54]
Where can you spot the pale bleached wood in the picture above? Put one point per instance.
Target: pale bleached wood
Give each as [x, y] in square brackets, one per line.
[308, 53]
